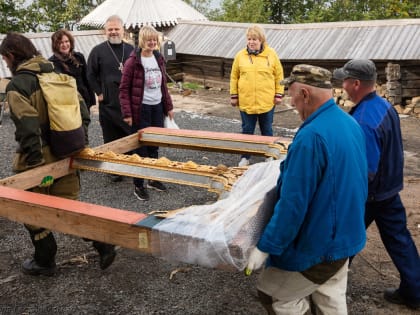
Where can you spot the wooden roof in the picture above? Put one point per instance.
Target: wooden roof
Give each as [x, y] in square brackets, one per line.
[378, 40]
[136, 13]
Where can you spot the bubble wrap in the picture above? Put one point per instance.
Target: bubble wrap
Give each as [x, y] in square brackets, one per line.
[222, 234]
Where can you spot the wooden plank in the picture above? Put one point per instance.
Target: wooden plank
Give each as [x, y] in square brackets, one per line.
[409, 75]
[121, 145]
[212, 135]
[33, 177]
[209, 80]
[215, 141]
[231, 144]
[412, 84]
[410, 92]
[138, 231]
[218, 83]
[104, 224]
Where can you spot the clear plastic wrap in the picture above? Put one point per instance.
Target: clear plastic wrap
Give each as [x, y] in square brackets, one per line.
[222, 234]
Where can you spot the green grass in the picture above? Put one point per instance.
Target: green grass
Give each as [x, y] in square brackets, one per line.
[192, 86]
[188, 85]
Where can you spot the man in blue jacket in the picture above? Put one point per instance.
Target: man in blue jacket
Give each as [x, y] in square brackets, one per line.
[381, 125]
[317, 222]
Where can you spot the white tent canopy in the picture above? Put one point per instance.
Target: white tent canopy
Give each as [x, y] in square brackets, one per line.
[136, 13]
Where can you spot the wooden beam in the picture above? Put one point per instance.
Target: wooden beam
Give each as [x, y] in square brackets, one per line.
[191, 139]
[122, 145]
[215, 141]
[33, 177]
[104, 224]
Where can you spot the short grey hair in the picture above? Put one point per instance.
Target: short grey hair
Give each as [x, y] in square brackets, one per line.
[114, 17]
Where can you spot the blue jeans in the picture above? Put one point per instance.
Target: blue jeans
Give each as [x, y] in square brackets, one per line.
[391, 220]
[265, 121]
[150, 116]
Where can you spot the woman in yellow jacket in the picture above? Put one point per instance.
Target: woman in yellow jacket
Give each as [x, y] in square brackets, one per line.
[255, 84]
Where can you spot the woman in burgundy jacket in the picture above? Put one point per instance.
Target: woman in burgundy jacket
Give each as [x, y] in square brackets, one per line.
[144, 97]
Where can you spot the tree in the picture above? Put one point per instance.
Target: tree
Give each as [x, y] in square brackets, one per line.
[251, 11]
[43, 15]
[12, 15]
[289, 11]
[202, 6]
[50, 15]
[356, 10]
[298, 11]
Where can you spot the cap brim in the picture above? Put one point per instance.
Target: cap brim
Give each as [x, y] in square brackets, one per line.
[340, 74]
[287, 81]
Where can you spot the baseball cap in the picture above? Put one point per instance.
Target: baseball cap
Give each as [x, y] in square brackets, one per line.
[361, 69]
[308, 74]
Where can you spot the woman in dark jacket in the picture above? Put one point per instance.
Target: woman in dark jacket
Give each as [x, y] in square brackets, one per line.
[70, 62]
[144, 97]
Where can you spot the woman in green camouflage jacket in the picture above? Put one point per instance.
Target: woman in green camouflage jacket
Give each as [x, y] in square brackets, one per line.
[29, 113]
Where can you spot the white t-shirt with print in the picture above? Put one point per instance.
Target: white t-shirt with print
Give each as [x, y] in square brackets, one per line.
[152, 81]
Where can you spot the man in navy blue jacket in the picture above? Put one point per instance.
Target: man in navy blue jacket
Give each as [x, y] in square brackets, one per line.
[317, 221]
[381, 125]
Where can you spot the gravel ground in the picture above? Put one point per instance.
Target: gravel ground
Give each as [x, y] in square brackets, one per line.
[138, 283]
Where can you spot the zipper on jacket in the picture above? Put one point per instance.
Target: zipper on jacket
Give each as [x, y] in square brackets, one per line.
[250, 60]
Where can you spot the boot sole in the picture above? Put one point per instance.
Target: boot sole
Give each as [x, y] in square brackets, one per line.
[47, 273]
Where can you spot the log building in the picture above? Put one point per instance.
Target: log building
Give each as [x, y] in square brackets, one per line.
[205, 50]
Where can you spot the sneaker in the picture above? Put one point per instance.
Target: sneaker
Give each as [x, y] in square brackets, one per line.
[154, 184]
[141, 193]
[393, 296]
[31, 267]
[243, 162]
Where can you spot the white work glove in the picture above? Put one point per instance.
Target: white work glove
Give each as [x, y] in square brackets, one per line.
[255, 261]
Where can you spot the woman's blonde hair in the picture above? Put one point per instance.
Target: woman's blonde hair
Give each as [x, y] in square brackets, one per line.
[256, 31]
[147, 32]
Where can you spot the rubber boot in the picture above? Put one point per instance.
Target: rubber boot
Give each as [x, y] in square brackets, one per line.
[43, 261]
[106, 252]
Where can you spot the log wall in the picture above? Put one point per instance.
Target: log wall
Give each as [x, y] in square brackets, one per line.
[399, 81]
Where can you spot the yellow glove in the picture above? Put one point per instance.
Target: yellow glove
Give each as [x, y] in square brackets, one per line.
[255, 261]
